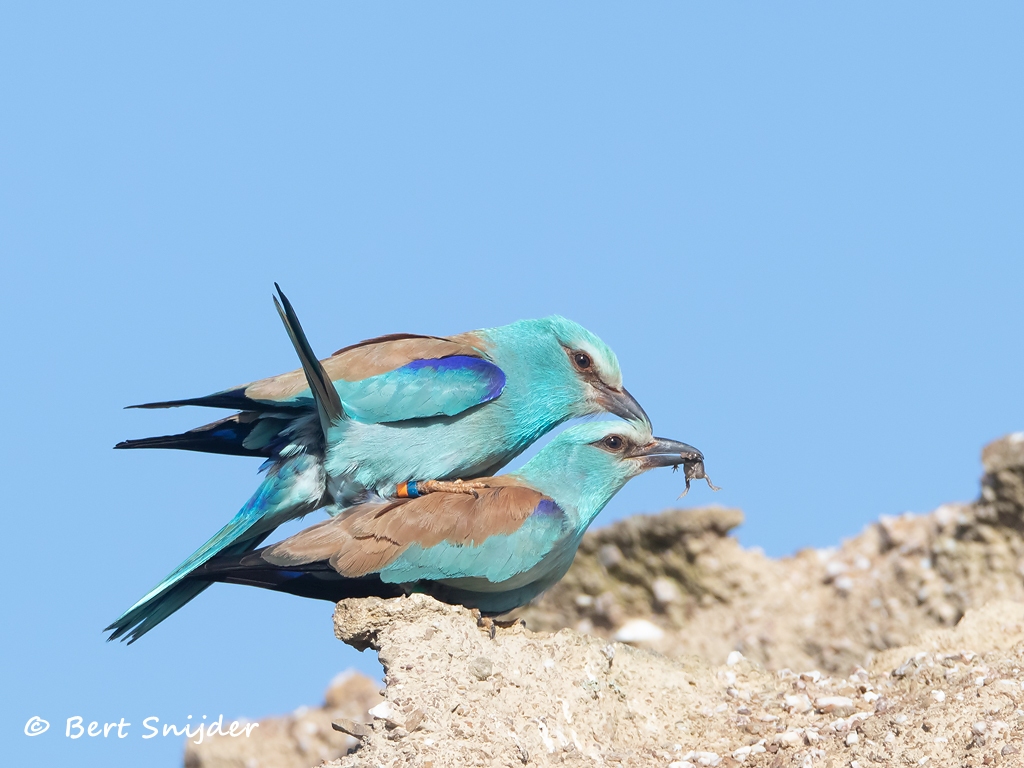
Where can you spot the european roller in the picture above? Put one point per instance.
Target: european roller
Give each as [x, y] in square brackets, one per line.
[495, 550]
[382, 418]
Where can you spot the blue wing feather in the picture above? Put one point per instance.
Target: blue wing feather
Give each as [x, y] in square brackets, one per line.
[443, 386]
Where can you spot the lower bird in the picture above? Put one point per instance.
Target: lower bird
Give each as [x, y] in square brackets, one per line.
[494, 550]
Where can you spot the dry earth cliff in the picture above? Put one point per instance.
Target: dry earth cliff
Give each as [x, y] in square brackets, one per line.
[903, 646]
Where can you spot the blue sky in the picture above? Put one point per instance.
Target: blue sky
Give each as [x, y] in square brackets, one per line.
[800, 228]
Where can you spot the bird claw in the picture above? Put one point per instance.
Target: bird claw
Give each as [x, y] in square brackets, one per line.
[486, 622]
[491, 624]
[451, 486]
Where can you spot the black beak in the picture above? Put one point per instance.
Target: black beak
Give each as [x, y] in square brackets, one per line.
[623, 404]
[662, 452]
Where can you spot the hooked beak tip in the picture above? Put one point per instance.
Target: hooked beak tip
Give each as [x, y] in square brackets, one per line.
[624, 405]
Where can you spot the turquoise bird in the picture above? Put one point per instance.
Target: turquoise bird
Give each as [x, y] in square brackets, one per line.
[494, 551]
[387, 417]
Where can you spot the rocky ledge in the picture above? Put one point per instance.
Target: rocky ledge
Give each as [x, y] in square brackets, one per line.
[902, 646]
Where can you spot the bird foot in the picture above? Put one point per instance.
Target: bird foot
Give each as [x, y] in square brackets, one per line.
[423, 487]
[492, 624]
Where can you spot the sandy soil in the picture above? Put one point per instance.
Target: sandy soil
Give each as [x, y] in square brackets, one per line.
[901, 646]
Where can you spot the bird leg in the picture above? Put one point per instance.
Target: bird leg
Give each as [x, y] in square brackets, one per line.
[423, 487]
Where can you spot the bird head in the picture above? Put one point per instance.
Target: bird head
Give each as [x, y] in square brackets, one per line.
[586, 465]
[590, 370]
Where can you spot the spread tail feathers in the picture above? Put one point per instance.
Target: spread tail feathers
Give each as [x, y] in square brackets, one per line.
[173, 593]
[290, 490]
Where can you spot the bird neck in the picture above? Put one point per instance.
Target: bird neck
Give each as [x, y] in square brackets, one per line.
[537, 395]
[580, 485]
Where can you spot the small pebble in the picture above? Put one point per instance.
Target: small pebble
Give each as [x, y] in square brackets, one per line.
[844, 584]
[665, 592]
[481, 667]
[789, 739]
[829, 704]
[798, 702]
[638, 631]
[609, 555]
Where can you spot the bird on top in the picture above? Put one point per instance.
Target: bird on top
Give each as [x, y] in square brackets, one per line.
[494, 551]
[388, 417]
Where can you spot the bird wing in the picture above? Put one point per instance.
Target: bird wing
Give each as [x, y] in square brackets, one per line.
[423, 388]
[390, 378]
[503, 531]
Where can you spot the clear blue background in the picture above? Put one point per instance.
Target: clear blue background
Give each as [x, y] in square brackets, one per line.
[800, 228]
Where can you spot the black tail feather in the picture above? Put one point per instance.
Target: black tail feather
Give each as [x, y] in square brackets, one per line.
[233, 436]
[234, 399]
[327, 400]
[318, 581]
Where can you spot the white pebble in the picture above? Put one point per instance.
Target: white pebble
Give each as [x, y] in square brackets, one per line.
[979, 728]
[609, 555]
[384, 711]
[832, 703]
[798, 702]
[666, 592]
[638, 631]
[844, 584]
[788, 739]
[939, 696]
[852, 738]
[735, 657]
[834, 567]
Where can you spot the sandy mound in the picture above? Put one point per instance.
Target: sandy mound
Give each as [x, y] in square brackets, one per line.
[844, 657]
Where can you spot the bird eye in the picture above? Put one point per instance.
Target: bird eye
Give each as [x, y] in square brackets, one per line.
[582, 360]
[613, 443]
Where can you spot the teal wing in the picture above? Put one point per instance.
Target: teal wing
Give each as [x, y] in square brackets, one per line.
[494, 536]
[423, 388]
[498, 559]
